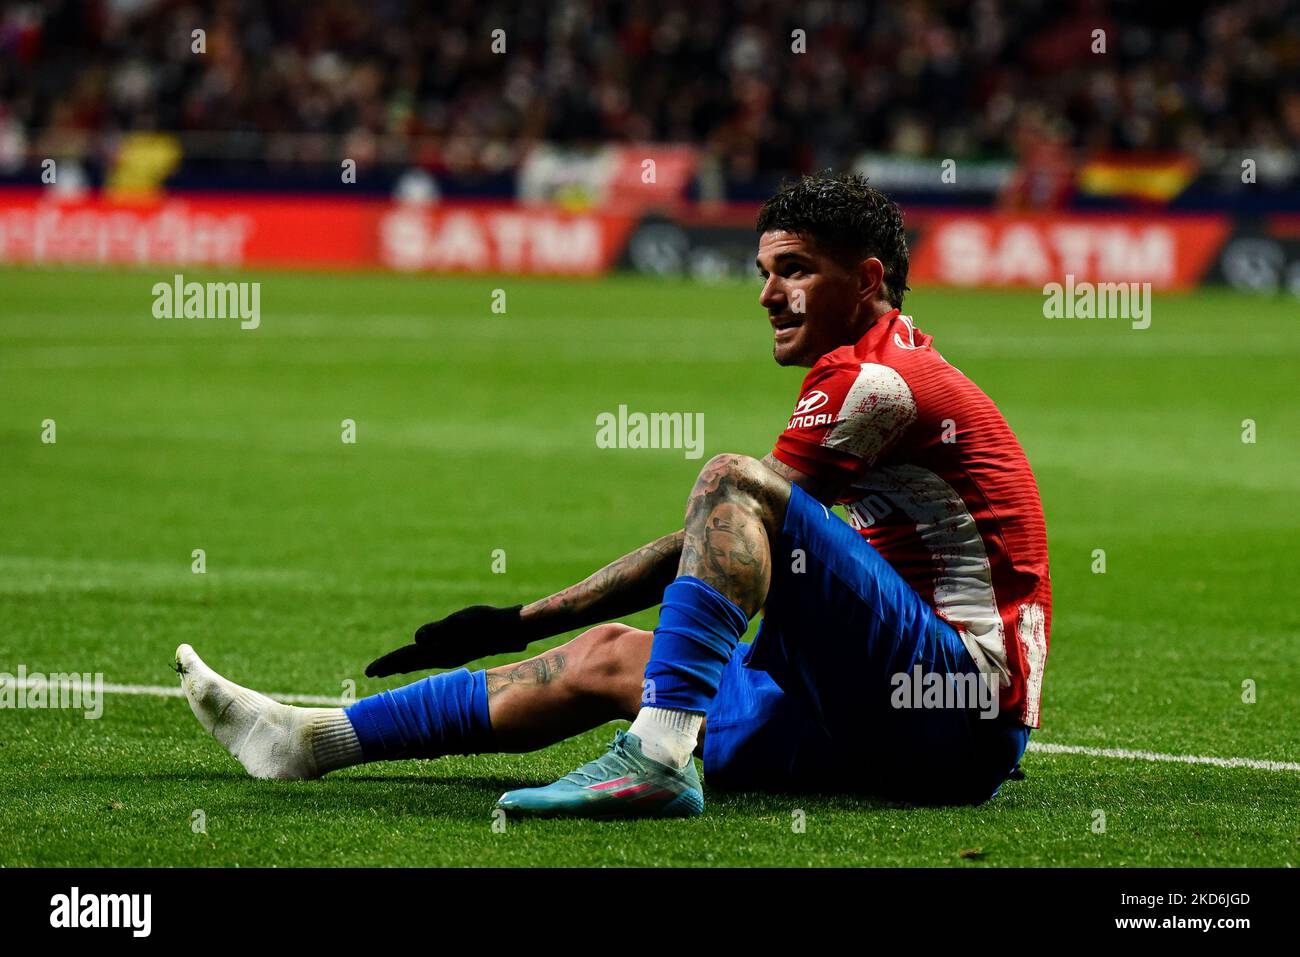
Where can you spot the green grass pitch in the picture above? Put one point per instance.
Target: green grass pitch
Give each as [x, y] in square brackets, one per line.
[476, 432]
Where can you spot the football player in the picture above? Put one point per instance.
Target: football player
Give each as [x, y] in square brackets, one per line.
[938, 578]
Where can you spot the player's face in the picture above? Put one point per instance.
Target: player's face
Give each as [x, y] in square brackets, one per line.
[811, 299]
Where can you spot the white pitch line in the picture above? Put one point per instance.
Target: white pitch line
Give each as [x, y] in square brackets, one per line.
[1042, 747]
[174, 691]
[1126, 754]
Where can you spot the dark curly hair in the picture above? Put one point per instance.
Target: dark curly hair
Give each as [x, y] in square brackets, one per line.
[848, 218]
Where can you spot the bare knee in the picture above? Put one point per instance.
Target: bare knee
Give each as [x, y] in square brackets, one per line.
[608, 663]
[743, 467]
[731, 476]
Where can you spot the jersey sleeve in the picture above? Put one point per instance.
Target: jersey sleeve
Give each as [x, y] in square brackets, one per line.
[848, 414]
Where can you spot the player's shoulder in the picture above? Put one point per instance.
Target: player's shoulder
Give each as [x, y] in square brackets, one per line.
[894, 366]
[857, 385]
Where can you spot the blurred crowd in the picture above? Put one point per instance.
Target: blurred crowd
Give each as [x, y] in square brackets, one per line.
[925, 78]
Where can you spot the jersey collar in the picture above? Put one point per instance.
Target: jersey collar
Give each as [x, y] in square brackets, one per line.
[879, 329]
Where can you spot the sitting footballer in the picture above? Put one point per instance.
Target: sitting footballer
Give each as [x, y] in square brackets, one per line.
[900, 652]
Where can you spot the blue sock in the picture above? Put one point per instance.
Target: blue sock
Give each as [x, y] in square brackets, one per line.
[698, 630]
[441, 714]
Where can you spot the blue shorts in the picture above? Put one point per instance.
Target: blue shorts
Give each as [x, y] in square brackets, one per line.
[808, 705]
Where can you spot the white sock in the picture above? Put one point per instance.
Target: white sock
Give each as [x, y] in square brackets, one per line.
[667, 735]
[271, 740]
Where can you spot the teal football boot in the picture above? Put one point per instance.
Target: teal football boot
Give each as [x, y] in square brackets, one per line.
[622, 782]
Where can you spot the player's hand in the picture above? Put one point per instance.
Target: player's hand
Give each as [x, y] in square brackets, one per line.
[462, 636]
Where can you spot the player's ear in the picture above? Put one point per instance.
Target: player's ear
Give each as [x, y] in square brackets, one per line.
[871, 278]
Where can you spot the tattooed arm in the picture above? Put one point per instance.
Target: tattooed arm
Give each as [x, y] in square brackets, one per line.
[633, 583]
[637, 581]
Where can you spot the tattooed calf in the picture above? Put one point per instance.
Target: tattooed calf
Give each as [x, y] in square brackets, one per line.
[534, 671]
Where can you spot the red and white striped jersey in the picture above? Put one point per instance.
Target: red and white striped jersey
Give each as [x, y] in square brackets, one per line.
[941, 488]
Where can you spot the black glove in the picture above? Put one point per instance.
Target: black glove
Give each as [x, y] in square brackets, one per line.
[465, 635]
